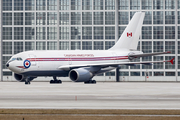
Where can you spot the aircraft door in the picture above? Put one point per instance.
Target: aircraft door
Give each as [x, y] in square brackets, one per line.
[146, 75]
[115, 57]
[70, 60]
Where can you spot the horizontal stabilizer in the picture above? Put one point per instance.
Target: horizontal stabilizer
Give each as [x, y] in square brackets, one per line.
[147, 63]
[171, 61]
[147, 54]
[130, 64]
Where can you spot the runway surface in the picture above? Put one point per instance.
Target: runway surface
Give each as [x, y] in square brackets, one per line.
[107, 95]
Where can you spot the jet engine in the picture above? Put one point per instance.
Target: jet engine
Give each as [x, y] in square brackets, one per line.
[80, 75]
[19, 77]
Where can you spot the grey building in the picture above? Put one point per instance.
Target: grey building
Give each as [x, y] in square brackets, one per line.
[92, 25]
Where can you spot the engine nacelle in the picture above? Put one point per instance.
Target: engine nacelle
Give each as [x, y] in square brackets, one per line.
[80, 75]
[19, 77]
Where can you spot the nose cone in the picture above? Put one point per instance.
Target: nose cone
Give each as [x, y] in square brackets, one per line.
[7, 65]
[14, 66]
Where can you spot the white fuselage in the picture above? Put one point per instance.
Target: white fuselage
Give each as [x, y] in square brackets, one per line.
[51, 60]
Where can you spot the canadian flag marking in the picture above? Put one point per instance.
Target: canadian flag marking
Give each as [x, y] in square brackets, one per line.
[129, 34]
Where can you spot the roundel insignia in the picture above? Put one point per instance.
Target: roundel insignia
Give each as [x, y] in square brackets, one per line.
[27, 64]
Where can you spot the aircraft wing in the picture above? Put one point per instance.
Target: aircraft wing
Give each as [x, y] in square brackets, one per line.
[103, 65]
[147, 54]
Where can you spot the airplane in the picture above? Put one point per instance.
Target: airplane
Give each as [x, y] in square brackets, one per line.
[82, 65]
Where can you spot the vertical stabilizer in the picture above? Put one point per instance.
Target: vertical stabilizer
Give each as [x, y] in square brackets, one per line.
[130, 37]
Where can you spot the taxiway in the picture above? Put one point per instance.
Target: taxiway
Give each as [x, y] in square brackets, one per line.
[103, 95]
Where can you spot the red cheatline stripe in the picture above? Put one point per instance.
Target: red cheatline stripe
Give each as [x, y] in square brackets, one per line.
[21, 67]
[79, 59]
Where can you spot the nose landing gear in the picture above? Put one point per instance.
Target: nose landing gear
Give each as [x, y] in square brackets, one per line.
[55, 81]
[27, 81]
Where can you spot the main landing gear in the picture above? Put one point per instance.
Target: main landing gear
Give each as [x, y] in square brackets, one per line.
[55, 81]
[90, 82]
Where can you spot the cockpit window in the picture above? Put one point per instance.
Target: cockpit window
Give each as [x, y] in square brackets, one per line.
[19, 59]
[13, 59]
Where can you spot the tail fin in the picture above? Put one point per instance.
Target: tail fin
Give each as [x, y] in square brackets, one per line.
[130, 37]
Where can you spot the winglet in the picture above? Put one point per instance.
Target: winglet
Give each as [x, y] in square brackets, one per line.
[171, 61]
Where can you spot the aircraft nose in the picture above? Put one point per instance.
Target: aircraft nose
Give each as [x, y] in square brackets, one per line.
[7, 65]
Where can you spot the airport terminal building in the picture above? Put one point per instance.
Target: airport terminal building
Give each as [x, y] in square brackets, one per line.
[92, 25]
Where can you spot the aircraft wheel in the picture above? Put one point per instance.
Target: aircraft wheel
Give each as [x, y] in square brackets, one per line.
[59, 81]
[87, 82]
[55, 81]
[90, 82]
[94, 81]
[52, 81]
[26, 83]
